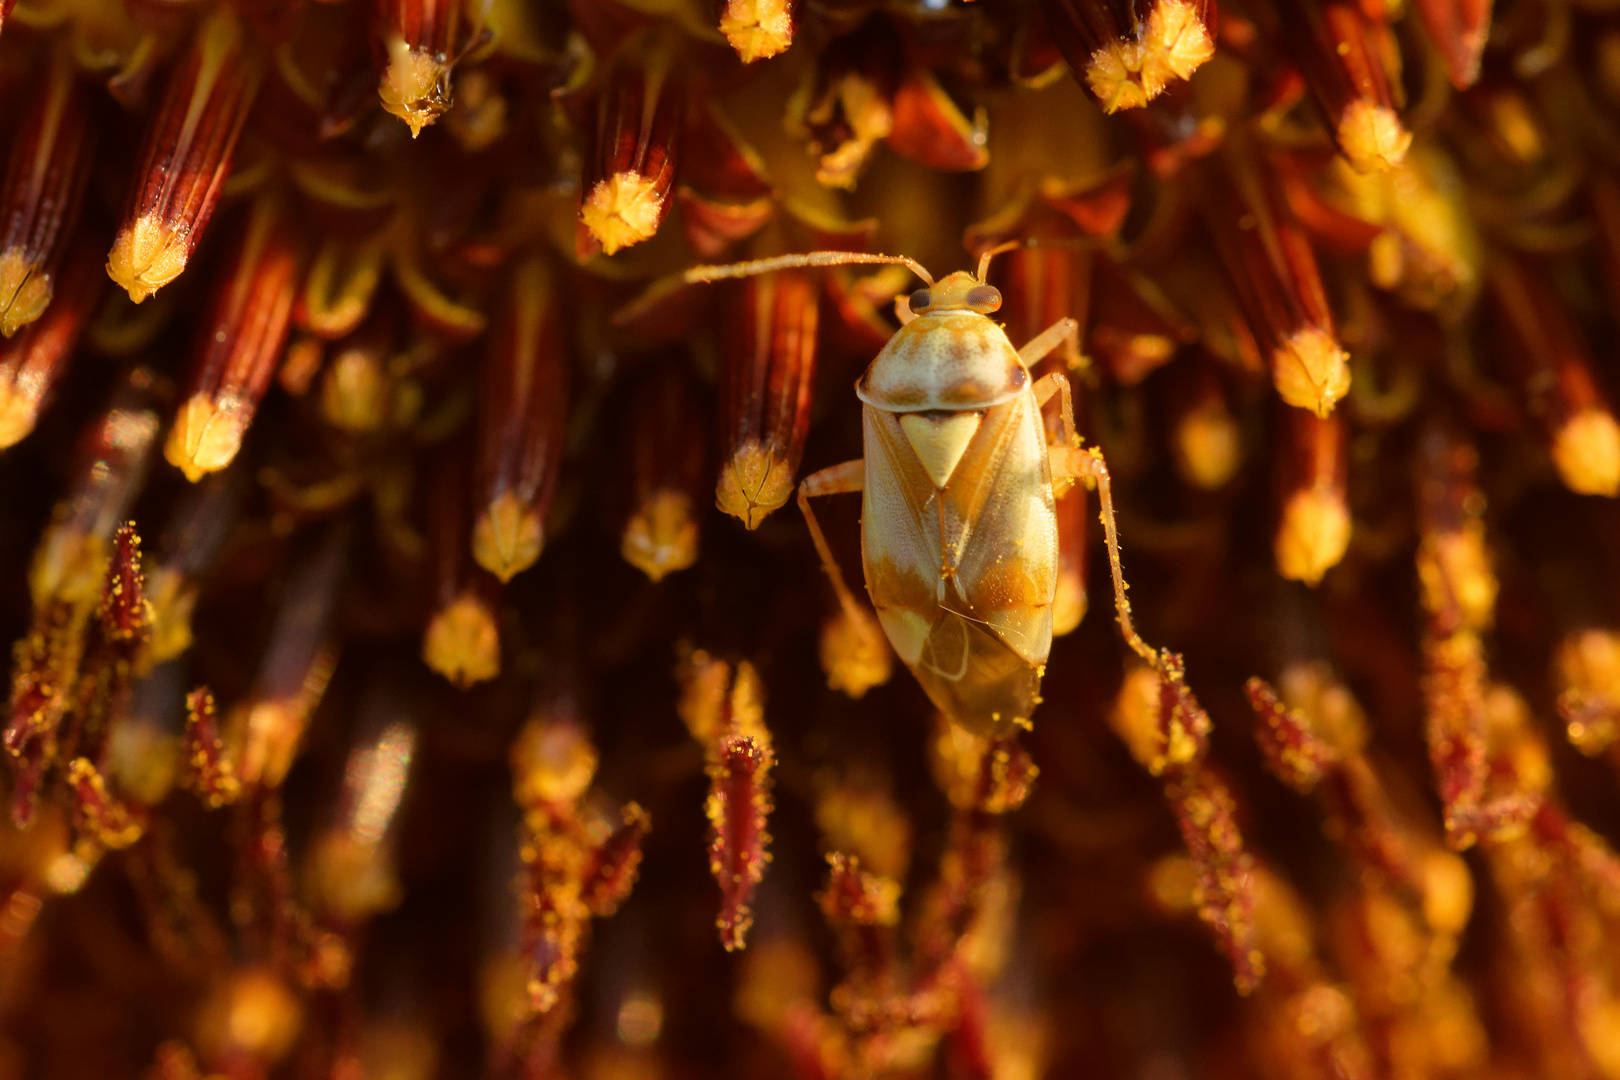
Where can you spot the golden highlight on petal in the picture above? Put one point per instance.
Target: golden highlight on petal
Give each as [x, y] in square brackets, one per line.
[1586, 450]
[507, 537]
[622, 210]
[24, 291]
[1372, 136]
[1209, 445]
[753, 483]
[662, 535]
[1313, 535]
[463, 642]
[206, 435]
[147, 255]
[854, 653]
[1311, 371]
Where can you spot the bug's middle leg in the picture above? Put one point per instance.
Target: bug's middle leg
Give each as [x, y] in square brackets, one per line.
[1069, 462]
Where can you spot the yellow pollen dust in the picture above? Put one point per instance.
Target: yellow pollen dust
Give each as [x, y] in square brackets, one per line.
[206, 435]
[1311, 371]
[507, 536]
[463, 643]
[753, 483]
[622, 210]
[24, 291]
[1312, 536]
[757, 29]
[146, 256]
[662, 537]
[1372, 137]
[1586, 451]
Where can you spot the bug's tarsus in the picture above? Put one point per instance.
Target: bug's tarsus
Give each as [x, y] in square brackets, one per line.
[813, 258]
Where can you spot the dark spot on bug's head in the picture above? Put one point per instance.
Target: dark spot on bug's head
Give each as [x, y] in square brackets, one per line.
[1017, 377]
[984, 299]
[919, 301]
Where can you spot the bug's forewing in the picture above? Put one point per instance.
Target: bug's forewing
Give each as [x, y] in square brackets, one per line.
[975, 634]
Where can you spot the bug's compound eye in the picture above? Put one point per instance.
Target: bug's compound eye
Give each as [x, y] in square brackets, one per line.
[984, 298]
[919, 301]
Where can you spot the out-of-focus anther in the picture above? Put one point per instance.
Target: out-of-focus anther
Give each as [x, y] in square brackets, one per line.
[463, 639]
[1342, 55]
[45, 182]
[522, 407]
[1207, 442]
[1458, 589]
[1314, 527]
[1274, 272]
[845, 106]
[1129, 52]
[206, 769]
[190, 544]
[187, 155]
[352, 858]
[240, 344]
[757, 29]
[668, 440]
[1557, 369]
[1459, 28]
[338, 290]
[1587, 663]
[296, 666]
[768, 361]
[33, 362]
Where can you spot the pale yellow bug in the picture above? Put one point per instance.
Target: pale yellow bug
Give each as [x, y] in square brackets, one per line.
[958, 532]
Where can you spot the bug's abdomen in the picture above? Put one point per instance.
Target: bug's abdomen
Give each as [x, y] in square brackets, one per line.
[963, 578]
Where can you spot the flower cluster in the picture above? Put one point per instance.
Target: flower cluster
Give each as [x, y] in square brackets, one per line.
[384, 492]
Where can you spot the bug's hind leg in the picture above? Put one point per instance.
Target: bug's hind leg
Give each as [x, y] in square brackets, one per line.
[854, 652]
[1089, 466]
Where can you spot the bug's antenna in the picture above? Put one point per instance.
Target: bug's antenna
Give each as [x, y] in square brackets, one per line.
[1072, 244]
[814, 258]
[984, 259]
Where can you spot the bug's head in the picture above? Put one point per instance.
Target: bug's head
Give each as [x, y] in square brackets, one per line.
[959, 292]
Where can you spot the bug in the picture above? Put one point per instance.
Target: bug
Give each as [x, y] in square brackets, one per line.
[958, 532]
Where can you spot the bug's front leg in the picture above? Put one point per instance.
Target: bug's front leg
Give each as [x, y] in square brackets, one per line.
[854, 652]
[1069, 462]
[1055, 382]
[1044, 342]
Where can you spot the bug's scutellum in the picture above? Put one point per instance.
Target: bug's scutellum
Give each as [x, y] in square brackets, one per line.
[958, 533]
